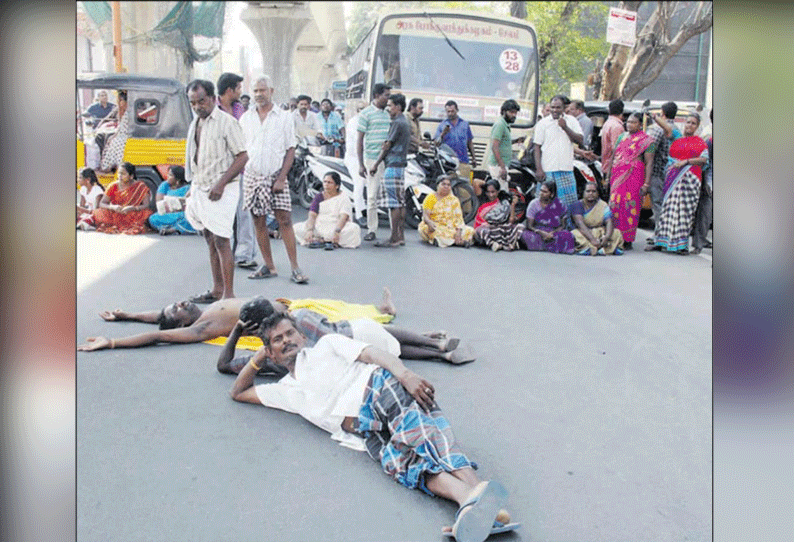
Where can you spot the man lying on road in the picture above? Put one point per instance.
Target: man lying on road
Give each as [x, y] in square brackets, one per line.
[185, 322]
[367, 399]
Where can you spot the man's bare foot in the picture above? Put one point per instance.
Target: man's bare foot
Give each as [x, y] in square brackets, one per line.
[440, 334]
[387, 306]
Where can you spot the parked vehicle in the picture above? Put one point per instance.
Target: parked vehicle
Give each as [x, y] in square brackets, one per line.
[158, 115]
[422, 174]
[421, 177]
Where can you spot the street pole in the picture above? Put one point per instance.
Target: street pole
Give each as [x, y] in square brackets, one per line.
[116, 9]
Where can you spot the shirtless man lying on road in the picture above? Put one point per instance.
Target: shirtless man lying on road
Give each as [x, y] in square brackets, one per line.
[185, 322]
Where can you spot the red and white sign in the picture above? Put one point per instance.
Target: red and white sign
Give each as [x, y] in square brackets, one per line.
[622, 27]
[511, 61]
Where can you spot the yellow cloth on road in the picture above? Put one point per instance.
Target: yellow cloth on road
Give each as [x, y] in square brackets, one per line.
[336, 310]
[248, 342]
[333, 309]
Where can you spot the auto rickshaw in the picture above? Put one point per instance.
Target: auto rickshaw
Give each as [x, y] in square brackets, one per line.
[159, 115]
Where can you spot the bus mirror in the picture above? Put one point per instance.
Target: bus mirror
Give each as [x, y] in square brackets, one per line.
[426, 135]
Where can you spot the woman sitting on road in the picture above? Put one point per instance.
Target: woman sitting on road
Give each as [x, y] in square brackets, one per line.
[632, 164]
[125, 206]
[681, 190]
[495, 223]
[442, 218]
[91, 193]
[595, 234]
[172, 193]
[545, 229]
[329, 223]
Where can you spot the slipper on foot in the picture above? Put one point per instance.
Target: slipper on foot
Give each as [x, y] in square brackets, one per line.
[316, 244]
[370, 236]
[246, 264]
[298, 277]
[496, 529]
[386, 244]
[451, 344]
[475, 518]
[263, 273]
[206, 297]
[461, 355]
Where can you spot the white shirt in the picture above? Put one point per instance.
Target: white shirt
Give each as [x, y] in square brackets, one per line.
[555, 145]
[267, 141]
[90, 197]
[328, 385]
[308, 127]
[220, 142]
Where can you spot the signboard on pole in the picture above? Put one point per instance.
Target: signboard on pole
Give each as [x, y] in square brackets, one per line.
[622, 27]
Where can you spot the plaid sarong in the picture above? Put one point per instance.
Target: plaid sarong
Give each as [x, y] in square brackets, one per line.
[407, 441]
[566, 186]
[392, 188]
[258, 195]
[678, 213]
[315, 325]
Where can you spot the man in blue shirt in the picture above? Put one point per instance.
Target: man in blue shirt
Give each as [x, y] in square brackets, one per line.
[100, 109]
[455, 132]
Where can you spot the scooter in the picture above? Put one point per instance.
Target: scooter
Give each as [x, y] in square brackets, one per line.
[421, 177]
[422, 174]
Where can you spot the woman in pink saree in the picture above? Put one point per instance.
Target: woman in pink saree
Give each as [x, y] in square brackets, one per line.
[632, 165]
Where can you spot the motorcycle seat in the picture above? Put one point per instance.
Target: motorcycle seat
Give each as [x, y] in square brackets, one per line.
[332, 164]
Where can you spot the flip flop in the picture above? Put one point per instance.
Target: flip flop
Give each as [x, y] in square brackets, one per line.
[497, 528]
[262, 273]
[206, 297]
[298, 277]
[476, 523]
[316, 244]
[461, 355]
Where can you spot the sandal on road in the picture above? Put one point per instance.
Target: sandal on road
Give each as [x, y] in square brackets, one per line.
[298, 277]
[475, 518]
[263, 273]
[206, 297]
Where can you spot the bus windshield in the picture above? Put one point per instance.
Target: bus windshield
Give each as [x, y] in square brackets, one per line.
[477, 61]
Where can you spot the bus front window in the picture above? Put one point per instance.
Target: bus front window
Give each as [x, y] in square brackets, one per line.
[430, 64]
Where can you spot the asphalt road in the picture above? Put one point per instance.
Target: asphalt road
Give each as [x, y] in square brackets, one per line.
[590, 399]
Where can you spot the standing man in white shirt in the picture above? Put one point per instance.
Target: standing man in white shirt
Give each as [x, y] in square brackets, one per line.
[270, 140]
[214, 156]
[351, 163]
[555, 137]
[306, 122]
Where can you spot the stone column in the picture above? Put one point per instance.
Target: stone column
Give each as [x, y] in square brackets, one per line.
[277, 30]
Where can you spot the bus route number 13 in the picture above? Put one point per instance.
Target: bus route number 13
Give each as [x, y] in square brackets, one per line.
[511, 61]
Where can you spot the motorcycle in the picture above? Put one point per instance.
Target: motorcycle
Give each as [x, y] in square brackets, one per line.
[421, 177]
[422, 174]
[523, 181]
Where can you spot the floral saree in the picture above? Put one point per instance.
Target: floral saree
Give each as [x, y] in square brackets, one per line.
[628, 176]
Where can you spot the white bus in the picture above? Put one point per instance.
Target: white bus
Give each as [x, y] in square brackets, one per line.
[476, 60]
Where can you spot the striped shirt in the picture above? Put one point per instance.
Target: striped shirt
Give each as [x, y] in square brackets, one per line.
[267, 141]
[221, 141]
[375, 124]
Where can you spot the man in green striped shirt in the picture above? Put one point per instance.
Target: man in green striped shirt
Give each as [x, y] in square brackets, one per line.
[373, 127]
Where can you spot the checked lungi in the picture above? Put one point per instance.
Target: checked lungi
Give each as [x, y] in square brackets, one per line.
[392, 188]
[566, 186]
[407, 441]
[258, 195]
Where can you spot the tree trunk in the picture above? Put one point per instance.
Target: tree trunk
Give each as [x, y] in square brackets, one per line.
[518, 10]
[546, 48]
[626, 71]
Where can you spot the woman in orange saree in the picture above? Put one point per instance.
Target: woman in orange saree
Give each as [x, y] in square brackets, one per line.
[125, 206]
[632, 165]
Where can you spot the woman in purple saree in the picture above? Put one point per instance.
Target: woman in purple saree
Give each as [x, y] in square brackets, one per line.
[546, 223]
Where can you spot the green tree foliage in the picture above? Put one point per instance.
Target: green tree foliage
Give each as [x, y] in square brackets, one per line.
[568, 50]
